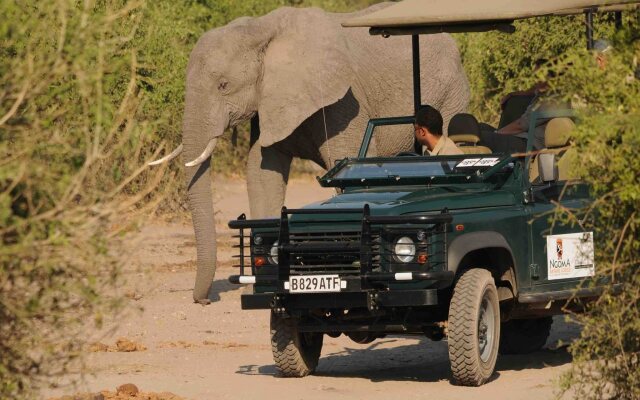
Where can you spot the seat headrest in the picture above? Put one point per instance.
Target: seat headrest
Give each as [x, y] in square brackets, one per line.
[465, 138]
[558, 132]
[514, 107]
[475, 149]
[463, 124]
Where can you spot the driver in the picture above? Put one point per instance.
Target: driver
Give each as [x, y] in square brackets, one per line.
[428, 130]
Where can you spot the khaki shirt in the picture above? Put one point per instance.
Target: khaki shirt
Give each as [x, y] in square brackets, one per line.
[445, 147]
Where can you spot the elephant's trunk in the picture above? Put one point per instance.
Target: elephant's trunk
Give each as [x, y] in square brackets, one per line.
[201, 206]
[197, 140]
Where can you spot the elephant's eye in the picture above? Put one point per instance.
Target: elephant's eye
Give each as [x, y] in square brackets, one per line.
[223, 86]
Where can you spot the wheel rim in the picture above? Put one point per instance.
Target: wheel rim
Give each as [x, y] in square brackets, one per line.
[486, 329]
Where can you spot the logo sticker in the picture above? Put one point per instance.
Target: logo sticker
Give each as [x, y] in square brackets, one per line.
[570, 256]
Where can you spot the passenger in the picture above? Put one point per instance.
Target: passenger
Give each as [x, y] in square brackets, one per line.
[506, 143]
[520, 127]
[517, 131]
[428, 131]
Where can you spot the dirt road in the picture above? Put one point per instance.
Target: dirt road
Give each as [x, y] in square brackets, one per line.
[221, 352]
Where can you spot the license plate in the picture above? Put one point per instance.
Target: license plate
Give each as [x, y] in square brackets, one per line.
[315, 284]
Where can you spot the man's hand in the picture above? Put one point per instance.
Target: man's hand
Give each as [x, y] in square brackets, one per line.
[511, 129]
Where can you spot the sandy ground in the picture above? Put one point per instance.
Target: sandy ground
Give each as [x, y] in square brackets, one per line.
[221, 352]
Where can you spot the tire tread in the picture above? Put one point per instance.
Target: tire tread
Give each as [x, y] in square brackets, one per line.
[290, 357]
[463, 309]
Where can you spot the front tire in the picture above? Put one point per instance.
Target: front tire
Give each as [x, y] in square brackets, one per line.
[523, 336]
[474, 328]
[295, 354]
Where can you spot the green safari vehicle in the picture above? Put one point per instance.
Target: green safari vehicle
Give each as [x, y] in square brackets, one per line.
[456, 247]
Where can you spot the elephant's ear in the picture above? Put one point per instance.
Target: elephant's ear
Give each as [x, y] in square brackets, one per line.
[306, 67]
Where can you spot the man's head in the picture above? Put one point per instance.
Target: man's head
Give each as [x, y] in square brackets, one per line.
[428, 126]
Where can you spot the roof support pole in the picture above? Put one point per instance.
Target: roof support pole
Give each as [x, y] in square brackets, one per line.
[589, 28]
[618, 19]
[417, 98]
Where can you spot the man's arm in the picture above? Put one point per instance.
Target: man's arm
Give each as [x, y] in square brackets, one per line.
[513, 128]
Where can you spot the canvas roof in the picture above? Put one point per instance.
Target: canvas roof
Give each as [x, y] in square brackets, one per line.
[414, 13]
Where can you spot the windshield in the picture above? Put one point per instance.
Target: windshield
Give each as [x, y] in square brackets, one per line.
[406, 169]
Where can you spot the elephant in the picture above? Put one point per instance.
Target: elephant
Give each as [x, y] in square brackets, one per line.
[309, 87]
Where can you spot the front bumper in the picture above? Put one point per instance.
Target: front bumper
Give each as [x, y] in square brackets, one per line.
[365, 286]
[371, 299]
[353, 297]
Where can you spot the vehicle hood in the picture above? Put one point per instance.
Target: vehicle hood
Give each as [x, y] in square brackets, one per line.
[399, 201]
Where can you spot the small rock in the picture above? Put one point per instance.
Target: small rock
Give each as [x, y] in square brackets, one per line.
[128, 389]
[133, 295]
[126, 345]
[180, 315]
[98, 347]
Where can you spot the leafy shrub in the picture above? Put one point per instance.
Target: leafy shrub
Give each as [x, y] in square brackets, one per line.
[71, 141]
[89, 92]
[497, 63]
[607, 354]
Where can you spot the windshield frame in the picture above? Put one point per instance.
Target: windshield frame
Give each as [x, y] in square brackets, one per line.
[375, 122]
[473, 176]
[328, 180]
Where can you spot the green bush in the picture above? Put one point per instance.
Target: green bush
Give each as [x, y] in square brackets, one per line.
[71, 142]
[607, 354]
[497, 63]
[90, 91]
[606, 360]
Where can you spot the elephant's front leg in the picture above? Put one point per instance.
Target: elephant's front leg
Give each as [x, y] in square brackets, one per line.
[267, 177]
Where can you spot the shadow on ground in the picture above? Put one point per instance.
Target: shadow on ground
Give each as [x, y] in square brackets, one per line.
[424, 361]
[221, 286]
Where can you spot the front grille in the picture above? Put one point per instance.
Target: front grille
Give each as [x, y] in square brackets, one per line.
[343, 263]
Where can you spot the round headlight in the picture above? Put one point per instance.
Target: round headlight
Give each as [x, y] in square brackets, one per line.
[273, 253]
[404, 249]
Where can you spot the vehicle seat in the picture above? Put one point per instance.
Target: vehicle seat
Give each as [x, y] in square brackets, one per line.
[513, 109]
[557, 136]
[464, 130]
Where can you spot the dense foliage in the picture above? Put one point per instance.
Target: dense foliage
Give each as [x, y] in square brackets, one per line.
[89, 92]
[71, 145]
[498, 63]
[607, 355]
[607, 100]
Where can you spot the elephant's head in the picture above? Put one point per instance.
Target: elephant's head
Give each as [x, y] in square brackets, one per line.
[285, 66]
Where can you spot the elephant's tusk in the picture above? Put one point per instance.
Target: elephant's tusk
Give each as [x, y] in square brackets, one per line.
[168, 157]
[205, 154]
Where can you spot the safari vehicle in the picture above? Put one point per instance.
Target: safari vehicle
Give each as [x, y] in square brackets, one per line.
[457, 247]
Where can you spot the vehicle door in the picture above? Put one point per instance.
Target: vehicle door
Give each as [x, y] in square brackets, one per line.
[560, 251]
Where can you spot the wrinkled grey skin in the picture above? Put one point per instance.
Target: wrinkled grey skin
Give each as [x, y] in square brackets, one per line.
[285, 67]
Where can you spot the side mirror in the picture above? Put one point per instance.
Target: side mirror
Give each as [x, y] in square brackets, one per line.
[547, 167]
